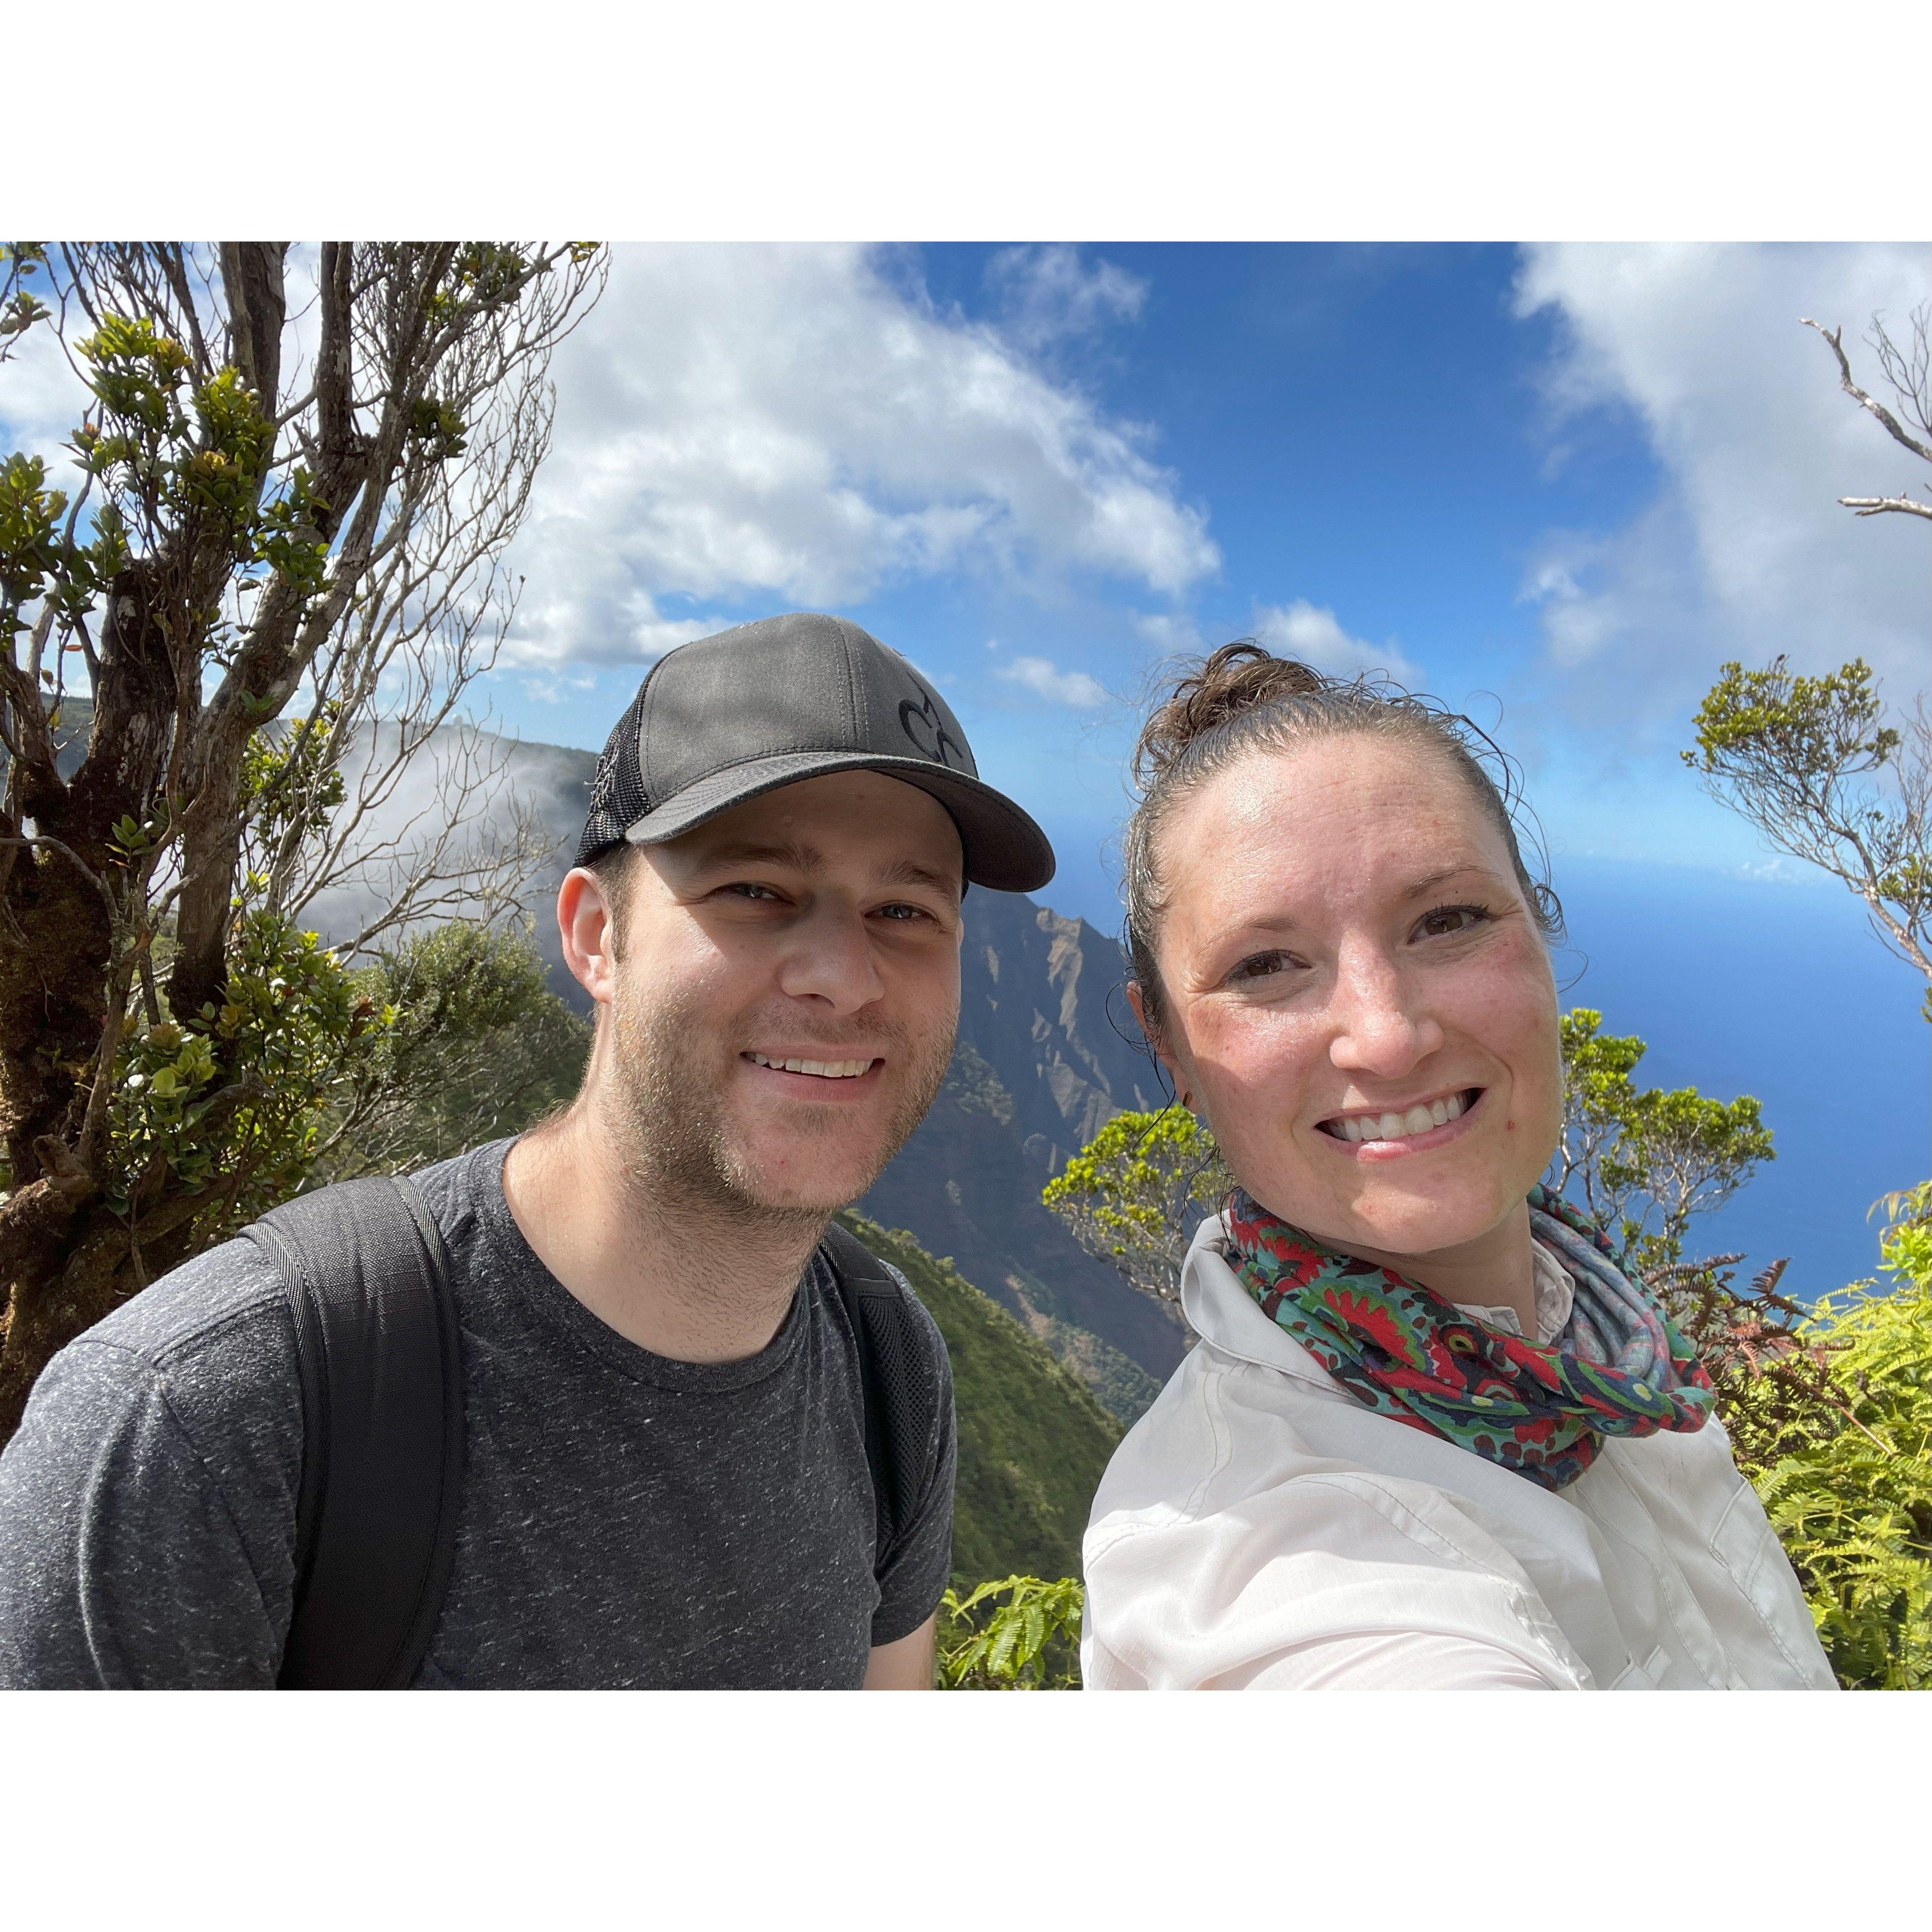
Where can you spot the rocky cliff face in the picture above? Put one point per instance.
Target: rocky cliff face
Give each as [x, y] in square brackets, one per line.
[1048, 1053]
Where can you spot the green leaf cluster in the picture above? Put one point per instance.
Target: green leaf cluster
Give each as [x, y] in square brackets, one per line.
[476, 1046]
[20, 308]
[1808, 729]
[230, 1102]
[1647, 1159]
[1133, 1195]
[1810, 764]
[1849, 1489]
[288, 780]
[1020, 1634]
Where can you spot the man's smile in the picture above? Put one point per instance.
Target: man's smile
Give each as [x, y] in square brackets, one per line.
[814, 1069]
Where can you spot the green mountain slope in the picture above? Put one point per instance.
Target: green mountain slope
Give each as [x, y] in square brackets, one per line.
[1032, 1442]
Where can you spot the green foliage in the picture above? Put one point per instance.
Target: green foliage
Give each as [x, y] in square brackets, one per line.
[229, 1105]
[1135, 1194]
[1646, 1160]
[1849, 1487]
[1032, 1443]
[1799, 728]
[1029, 1641]
[476, 1046]
[309, 1072]
[289, 785]
[1806, 761]
[20, 308]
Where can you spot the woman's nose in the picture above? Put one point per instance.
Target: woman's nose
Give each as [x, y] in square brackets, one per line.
[830, 958]
[1380, 1025]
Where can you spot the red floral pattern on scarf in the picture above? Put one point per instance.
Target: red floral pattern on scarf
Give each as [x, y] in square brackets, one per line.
[1619, 1368]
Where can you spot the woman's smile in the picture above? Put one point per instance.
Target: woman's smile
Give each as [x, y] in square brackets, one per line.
[1394, 1133]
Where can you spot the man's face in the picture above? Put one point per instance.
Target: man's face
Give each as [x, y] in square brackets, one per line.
[785, 993]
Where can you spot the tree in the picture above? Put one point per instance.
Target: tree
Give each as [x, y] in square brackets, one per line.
[1133, 1195]
[1803, 759]
[256, 526]
[476, 1047]
[1908, 372]
[1810, 761]
[1646, 1160]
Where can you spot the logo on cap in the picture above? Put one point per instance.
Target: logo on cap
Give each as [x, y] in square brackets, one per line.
[926, 713]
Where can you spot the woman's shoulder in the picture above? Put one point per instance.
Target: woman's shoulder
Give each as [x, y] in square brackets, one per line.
[1224, 1429]
[1222, 1537]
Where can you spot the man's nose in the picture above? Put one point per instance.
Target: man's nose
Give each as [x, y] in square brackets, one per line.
[1382, 1024]
[828, 957]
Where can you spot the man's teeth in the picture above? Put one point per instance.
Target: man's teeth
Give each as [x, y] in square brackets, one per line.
[825, 1069]
[1395, 1126]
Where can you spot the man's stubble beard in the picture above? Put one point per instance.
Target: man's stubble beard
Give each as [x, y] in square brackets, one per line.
[667, 1089]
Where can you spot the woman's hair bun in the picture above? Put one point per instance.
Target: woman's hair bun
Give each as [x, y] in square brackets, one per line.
[1233, 679]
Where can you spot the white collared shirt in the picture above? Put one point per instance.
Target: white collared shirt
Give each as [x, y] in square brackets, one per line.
[1260, 1528]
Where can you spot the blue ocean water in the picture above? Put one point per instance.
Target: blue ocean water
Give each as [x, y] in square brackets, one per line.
[1777, 989]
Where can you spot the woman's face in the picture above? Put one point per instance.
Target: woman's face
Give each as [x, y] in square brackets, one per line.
[1358, 995]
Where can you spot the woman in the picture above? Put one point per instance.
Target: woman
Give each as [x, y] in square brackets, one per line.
[1431, 1437]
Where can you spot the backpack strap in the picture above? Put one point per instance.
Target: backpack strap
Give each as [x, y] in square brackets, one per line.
[898, 1383]
[368, 1281]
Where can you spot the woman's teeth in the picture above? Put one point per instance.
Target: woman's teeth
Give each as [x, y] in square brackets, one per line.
[1397, 1126]
[825, 1069]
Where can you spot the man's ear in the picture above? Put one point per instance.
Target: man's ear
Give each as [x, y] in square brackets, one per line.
[588, 928]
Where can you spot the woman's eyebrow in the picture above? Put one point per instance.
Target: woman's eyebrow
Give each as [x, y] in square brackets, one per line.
[1430, 880]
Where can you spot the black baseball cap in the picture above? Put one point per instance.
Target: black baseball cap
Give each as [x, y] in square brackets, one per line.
[723, 719]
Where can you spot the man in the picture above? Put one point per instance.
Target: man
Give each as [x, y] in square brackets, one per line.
[665, 1479]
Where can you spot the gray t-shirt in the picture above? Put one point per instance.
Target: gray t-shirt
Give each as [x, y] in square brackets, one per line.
[627, 1520]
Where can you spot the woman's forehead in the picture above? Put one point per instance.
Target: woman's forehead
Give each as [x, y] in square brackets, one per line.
[1335, 825]
[1351, 793]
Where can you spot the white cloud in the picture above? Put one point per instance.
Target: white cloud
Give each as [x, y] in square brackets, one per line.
[1043, 677]
[789, 421]
[1170, 632]
[1314, 635]
[1049, 293]
[1746, 552]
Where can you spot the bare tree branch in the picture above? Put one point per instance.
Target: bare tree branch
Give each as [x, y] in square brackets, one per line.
[1894, 428]
[1871, 506]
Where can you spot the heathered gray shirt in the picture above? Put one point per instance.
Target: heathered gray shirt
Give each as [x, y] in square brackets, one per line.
[626, 1520]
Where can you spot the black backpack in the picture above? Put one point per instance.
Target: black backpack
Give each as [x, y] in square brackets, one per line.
[366, 1277]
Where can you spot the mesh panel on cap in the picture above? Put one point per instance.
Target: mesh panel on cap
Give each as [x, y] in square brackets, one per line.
[617, 798]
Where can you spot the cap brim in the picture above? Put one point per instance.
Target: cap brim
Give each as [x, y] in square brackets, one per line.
[1005, 851]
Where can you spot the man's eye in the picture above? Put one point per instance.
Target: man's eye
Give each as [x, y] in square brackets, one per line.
[744, 888]
[903, 912]
[1450, 919]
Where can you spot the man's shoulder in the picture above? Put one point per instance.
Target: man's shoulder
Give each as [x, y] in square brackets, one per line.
[228, 1292]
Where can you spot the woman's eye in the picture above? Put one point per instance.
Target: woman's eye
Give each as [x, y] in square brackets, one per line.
[1450, 919]
[1262, 965]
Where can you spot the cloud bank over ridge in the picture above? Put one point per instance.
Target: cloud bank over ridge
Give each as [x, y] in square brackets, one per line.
[796, 421]
[1745, 551]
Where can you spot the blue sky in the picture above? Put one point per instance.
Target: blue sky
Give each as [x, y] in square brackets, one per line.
[1555, 486]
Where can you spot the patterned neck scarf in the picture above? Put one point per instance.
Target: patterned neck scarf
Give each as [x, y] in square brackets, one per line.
[1619, 1368]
